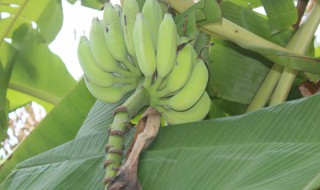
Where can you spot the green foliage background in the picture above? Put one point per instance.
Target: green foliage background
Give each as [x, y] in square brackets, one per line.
[272, 148]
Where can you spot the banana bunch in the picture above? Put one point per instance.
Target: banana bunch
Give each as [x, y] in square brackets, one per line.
[174, 77]
[107, 57]
[127, 47]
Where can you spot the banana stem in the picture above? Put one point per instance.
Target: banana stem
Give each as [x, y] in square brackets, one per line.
[299, 44]
[123, 114]
[283, 87]
[147, 82]
[262, 95]
[154, 87]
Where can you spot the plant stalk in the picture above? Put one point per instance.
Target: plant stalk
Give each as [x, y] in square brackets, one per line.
[122, 116]
[262, 95]
[299, 44]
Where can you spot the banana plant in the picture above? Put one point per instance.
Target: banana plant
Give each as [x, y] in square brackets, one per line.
[226, 65]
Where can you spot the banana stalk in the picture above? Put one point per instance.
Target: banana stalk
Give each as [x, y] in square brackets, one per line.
[122, 116]
[299, 44]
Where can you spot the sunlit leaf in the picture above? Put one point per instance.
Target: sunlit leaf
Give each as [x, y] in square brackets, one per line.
[45, 15]
[281, 14]
[59, 126]
[18, 99]
[37, 71]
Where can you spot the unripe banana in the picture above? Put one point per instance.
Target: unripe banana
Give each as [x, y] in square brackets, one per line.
[144, 49]
[192, 90]
[92, 71]
[130, 10]
[101, 53]
[167, 46]
[180, 72]
[153, 13]
[195, 113]
[110, 94]
[114, 36]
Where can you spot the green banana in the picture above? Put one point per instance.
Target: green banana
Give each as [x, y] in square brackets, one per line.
[195, 113]
[130, 10]
[144, 49]
[192, 90]
[92, 71]
[180, 72]
[101, 53]
[167, 46]
[114, 36]
[153, 13]
[110, 94]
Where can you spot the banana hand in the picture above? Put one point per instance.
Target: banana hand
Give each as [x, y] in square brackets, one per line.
[191, 92]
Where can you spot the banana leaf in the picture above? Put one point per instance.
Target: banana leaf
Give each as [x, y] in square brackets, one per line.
[37, 71]
[287, 18]
[59, 126]
[47, 15]
[28, 27]
[272, 148]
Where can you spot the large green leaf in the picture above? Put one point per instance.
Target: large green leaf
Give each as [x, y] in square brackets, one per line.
[236, 73]
[273, 148]
[37, 71]
[59, 126]
[18, 99]
[281, 14]
[79, 158]
[47, 14]
[18, 17]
